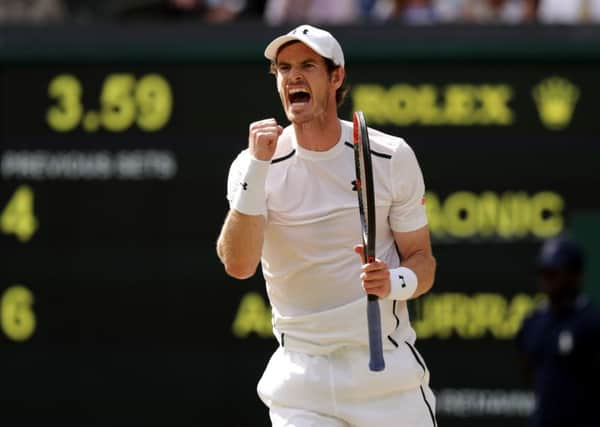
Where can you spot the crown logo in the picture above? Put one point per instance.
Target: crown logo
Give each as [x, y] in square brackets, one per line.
[555, 98]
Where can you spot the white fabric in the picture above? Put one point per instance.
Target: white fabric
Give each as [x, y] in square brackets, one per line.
[283, 416]
[313, 224]
[346, 326]
[403, 283]
[338, 389]
[320, 375]
[248, 187]
[319, 40]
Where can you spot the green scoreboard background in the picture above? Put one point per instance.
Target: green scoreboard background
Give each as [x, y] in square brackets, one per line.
[115, 144]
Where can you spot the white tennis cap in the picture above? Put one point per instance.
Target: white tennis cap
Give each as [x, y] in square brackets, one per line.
[318, 40]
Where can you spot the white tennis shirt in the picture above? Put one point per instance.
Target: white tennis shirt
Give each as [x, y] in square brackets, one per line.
[313, 222]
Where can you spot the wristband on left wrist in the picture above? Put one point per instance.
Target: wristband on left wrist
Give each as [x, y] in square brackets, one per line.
[403, 283]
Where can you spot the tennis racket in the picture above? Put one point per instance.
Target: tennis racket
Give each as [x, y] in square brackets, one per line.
[366, 206]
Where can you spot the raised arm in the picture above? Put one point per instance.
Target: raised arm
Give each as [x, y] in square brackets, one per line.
[239, 245]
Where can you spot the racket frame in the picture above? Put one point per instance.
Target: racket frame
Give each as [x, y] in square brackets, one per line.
[366, 204]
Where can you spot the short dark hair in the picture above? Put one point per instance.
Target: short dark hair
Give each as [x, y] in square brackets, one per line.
[340, 93]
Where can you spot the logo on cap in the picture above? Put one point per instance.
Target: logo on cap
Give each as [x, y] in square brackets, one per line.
[304, 31]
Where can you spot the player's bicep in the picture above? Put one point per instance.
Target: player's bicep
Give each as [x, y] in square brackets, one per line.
[407, 212]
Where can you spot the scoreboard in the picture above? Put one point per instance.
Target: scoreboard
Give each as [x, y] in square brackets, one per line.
[114, 308]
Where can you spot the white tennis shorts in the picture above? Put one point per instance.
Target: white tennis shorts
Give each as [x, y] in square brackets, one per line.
[338, 389]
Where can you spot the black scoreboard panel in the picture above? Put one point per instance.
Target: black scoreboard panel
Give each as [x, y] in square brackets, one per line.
[114, 309]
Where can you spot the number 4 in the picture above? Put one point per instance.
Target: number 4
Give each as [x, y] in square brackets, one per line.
[18, 217]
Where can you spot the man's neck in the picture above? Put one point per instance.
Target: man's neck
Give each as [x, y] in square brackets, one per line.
[320, 134]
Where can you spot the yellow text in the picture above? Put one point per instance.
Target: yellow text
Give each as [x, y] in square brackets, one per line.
[443, 315]
[455, 104]
[124, 101]
[436, 315]
[510, 215]
[18, 217]
[253, 317]
[17, 319]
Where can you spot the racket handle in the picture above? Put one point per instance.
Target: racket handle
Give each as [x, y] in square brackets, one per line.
[376, 362]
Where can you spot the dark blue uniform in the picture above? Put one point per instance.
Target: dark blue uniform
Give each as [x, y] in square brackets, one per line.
[564, 350]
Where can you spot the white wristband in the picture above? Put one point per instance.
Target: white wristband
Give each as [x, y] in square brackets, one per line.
[250, 197]
[403, 283]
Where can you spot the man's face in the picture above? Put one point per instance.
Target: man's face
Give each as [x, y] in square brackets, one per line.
[558, 284]
[305, 86]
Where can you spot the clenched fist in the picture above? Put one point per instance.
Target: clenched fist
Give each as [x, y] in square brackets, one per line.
[262, 138]
[375, 275]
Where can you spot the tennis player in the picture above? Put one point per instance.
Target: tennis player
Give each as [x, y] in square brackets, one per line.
[293, 209]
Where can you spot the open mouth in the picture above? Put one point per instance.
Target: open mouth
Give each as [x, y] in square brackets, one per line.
[298, 96]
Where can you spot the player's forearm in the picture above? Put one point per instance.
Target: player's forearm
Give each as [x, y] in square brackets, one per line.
[424, 265]
[240, 242]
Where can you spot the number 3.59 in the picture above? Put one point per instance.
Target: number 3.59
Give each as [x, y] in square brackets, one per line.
[124, 101]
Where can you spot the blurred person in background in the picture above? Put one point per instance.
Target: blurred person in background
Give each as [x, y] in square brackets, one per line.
[411, 12]
[32, 11]
[415, 12]
[217, 11]
[448, 11]
[559, 342]
[344, 12]
[485, 11]
[568, 12]
[339, 12]
[214, 10]
[497, 11]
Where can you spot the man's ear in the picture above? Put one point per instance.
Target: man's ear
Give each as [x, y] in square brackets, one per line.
[337, 77]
